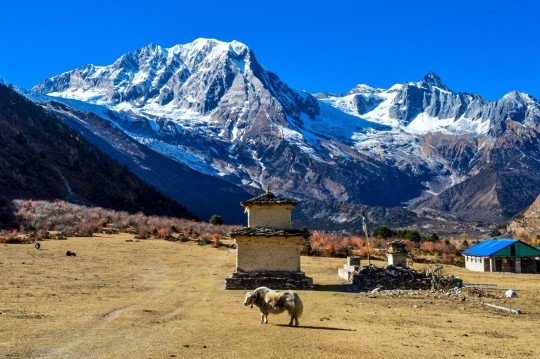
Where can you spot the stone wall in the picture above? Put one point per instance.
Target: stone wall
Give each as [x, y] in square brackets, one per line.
[278, 217]
[268, 253]
[270, 279]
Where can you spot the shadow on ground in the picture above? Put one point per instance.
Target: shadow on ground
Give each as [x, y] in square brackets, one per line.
[315, 327]
[335, 288]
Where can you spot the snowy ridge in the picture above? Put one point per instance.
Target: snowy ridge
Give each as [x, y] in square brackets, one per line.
[210, 105]
[383, 111]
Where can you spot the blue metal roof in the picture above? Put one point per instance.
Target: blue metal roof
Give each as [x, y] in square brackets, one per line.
[489, 247]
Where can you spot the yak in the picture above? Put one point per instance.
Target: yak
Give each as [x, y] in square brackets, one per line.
[275, 302]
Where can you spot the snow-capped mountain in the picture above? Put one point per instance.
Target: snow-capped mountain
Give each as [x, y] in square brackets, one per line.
[418, 108]
[212, 106]
[227, 116]
[180, 82]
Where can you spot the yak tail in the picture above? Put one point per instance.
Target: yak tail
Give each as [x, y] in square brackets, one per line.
[298, 305]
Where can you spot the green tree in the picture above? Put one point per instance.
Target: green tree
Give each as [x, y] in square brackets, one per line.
[412, 235]
[433, 237]
[215, 219]
[383, 232]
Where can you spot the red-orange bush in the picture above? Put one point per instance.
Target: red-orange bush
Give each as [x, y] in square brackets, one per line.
[339, 245]
[216, 238]
[71, 218]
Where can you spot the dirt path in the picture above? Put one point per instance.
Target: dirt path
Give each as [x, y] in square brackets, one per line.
[164, 298]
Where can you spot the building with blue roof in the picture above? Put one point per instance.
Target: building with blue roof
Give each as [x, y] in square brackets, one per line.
[502, 255]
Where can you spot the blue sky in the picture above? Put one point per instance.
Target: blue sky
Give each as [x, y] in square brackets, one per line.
[484, 47]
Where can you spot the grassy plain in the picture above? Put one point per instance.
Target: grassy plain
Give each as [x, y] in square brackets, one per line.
[122, 298]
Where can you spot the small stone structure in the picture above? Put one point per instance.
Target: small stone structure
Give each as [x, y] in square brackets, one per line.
[396, 275]
[268, 250]
[397, 254]
[350, 268]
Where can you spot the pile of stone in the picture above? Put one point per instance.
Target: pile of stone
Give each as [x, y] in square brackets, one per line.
[480, 293]
[270, 279]
[454, 293]
[369, 278]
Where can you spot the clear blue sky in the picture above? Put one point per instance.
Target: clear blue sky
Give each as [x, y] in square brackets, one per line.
[484, 47]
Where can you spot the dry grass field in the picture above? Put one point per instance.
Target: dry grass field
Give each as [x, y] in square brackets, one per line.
[122, 298]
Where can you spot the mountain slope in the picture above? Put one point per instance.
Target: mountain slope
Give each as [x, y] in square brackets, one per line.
[41, 158]
[500, 167]
[212, 106]
[225, 115]
[486, 154]
[204, 195]
[527, 223]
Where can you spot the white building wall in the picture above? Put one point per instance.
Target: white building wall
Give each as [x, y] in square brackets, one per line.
[475, 264]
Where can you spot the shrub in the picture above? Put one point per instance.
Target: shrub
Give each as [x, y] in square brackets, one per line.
[495, 232]
[73, 219]
[216, 238]
[204, 239]
[433, 237]
[413, 236]
[339, 245]
[164, 233]
[216, 220]
[428, 247]
[11, 237]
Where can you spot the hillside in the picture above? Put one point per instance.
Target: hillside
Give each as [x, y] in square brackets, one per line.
[42, 158]
[203, 194]
[526, 225]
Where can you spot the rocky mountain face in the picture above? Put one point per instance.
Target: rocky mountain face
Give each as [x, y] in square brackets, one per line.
[196, 77]
[482, 156]
[227, 116]
[42, 158]
[211, 106]
[203, 194]
[526, 225]
[499, 167]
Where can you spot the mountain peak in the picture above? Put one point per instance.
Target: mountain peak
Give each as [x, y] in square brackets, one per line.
[151, 46]
[149, 50]
[202, 43]
[206, 46]
[518, 97]
[432, 79]
[238, 47]
[364, 89]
